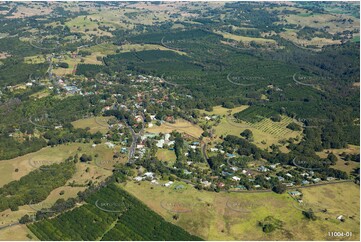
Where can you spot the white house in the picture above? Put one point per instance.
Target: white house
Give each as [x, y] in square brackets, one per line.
[110, 145]
[236, 178]
[168, 184]
[138, 178]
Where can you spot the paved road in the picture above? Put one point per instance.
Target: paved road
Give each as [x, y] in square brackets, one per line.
[135, 137]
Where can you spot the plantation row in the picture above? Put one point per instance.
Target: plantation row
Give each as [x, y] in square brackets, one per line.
[104, 208]
[275, 128]
[255, 114]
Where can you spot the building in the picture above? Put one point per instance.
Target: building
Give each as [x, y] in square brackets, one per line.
[110, 145]
[138, 178]
[236, 178]
[295, 193]
[262, 169]
[168, 184]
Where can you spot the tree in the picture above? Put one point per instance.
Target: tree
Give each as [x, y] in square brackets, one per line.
[279, 188]
[309, 214]
[247, 134]
[64, 65]
[332, 158]
[276, 118]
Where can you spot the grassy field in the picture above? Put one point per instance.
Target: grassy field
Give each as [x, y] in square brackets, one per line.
[48, 155]
[246, 39]
[235, 216]
[41, 94]
[17, 233]
[180, 125]
[332, 21]
[166, 155]
[86, 25]
[341, 164]
[94, 123]
[219, 110]
[291, 35]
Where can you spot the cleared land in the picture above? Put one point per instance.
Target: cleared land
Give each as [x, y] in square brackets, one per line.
[17, 233]
[235, 216]
[46, 156]
[94, 123]
[347, 166]
[180, 125]
[246, 39]
[166, 155]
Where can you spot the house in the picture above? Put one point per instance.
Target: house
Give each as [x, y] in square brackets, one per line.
[289, 175]
[140, 146]
[257, 186]
[207, 118]
[220, 184]
[241, 187]
[236, 178]
[280, 178]
[316, 180]
[290, 184]
[206, 183]
[138, 119]
[110, 145]
[214, 149]
[149, 174]
[234, 168]
[262, 169]
[168, 184]
[179, 187]
[154, 182]
[295, 193]
[169, 119]
[230, 155]
[225, 173]
[94, 145]
[166, 137]
[305, 182]
[247, 172]
[160, 143]
[340, 217]
[138, 178]
[330, 178]
[123, 150]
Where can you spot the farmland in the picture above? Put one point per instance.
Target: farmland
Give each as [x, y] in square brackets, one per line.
[228, 216]
[179, 120]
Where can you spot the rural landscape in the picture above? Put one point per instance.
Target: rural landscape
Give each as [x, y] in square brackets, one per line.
[179, 121]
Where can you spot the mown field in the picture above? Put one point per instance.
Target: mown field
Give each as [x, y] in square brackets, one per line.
[180, 125]
[235, 216]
